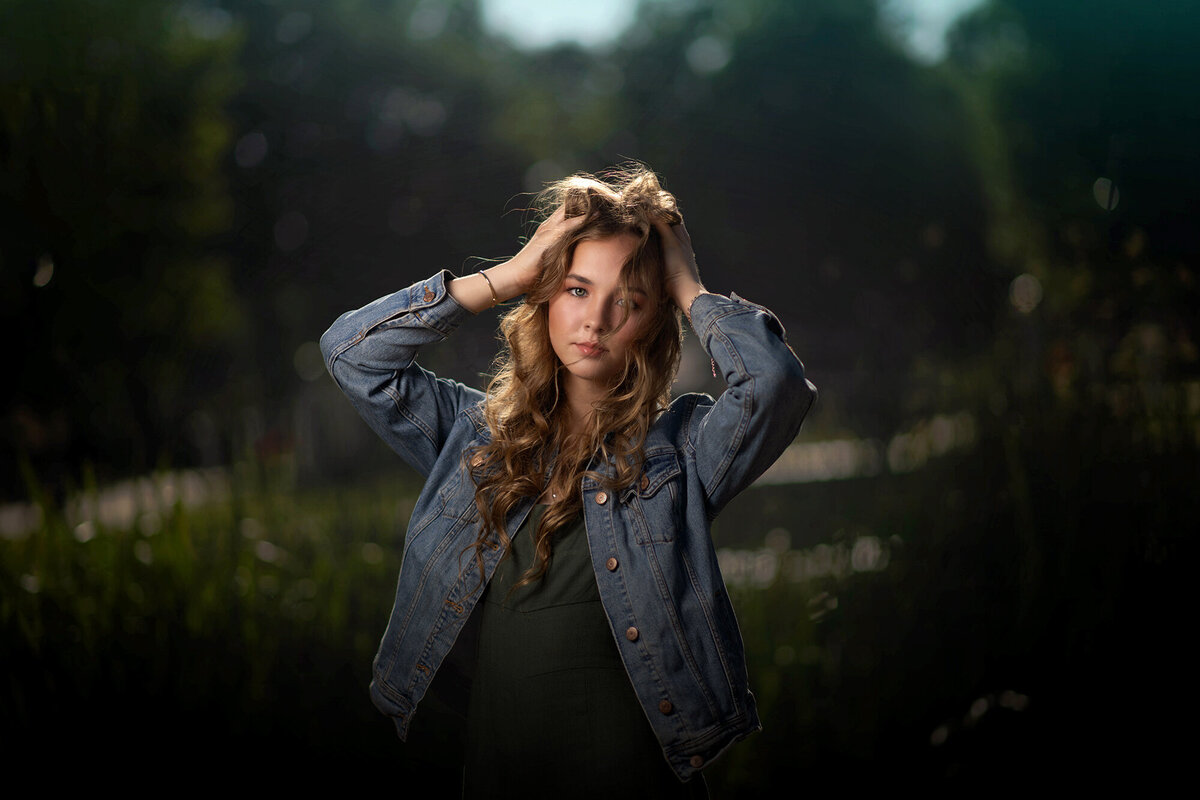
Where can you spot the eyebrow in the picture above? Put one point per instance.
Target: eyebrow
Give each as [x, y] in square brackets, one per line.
[582, 279]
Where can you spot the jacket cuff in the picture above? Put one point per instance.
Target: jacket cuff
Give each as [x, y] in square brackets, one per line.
[429, 301]
[433, 304]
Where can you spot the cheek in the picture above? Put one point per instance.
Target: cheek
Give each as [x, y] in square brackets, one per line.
[554, 316]
[560, 327]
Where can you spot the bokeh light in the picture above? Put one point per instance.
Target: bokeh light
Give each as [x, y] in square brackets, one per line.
[1025, 292]
[1106, 194]
[44, 271]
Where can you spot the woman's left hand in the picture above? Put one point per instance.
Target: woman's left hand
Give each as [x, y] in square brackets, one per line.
[682, 275]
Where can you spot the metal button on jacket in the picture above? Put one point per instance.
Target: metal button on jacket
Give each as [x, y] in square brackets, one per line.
[611, 564]
[665, 706]
[631, 633]
[602, 498]
[696, 761]
[645, 482]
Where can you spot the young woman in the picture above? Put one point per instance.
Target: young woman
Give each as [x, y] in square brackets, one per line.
[559, 561]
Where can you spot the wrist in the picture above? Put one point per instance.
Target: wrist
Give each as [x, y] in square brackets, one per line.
[684, 295]
[510, 279]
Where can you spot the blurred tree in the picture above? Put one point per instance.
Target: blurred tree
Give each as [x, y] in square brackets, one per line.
[112, 134]
[171, 167]
[361, 163]
[822, 170]
[1084, 126]
[1088, 123]
[359, 140]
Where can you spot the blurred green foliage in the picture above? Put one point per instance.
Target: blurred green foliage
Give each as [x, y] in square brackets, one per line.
[113, 133]
[252, 617]
[191, 190]
[987, 649]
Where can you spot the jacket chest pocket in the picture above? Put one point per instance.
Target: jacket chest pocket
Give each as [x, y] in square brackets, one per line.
[654, 501]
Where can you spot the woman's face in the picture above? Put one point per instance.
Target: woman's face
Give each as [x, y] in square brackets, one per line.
[587, 308]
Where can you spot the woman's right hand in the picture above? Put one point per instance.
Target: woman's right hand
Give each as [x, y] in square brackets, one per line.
[527, 264]
[515, 276]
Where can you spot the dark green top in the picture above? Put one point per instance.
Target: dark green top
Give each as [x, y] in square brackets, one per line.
[553, 713]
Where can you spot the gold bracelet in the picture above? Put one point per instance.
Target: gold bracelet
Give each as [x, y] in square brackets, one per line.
[495, 300]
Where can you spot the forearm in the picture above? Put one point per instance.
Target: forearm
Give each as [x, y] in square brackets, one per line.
[370, 353]
[766, 398]
[684, 293]
[384, 336]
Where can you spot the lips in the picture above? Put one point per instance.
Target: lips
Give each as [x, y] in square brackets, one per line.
[590, 349]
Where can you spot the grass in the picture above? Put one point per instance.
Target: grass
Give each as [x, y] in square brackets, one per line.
[240, 630]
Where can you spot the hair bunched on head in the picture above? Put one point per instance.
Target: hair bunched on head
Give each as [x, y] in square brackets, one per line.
[525, 406]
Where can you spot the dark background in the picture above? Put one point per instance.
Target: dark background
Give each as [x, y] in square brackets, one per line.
[190, 192]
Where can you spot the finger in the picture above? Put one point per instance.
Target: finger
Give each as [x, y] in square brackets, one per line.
[555, 223]
[675, 236]
[575, 221]
[667, 232]
[561, 222]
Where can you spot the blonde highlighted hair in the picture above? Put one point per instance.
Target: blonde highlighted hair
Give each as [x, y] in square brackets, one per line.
[526, 409]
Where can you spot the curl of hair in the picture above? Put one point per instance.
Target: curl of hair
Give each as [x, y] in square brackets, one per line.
[525, 406]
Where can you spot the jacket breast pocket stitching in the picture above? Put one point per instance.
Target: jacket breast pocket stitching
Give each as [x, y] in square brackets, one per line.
[650, 503]
[658, 474]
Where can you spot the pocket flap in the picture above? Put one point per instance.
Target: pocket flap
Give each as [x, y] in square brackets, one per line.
[657, 469]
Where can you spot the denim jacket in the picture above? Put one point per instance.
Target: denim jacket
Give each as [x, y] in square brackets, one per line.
[652, 553]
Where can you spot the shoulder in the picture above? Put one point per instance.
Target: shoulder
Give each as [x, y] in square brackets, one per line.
[474, 416]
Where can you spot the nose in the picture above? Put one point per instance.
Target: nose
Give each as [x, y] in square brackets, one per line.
[598, 316]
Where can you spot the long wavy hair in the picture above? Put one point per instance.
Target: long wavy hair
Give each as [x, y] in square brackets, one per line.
[531, 453]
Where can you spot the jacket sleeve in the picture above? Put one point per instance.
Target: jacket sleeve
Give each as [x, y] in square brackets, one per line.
[371, 355]
[766, 398]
